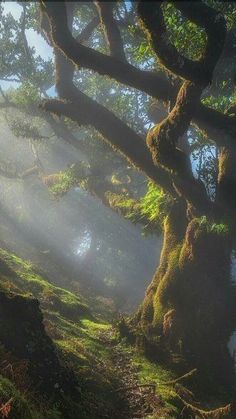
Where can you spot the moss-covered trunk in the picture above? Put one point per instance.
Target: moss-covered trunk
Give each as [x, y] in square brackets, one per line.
[188, 307]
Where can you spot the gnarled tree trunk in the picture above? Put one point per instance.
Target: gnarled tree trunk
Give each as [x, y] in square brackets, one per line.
[188, 308]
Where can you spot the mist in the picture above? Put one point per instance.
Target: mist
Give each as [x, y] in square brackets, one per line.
[79, 241]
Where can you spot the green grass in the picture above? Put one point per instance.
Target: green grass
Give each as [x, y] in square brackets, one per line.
[67, 317]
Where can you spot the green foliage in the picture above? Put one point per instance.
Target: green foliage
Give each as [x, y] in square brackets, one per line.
[227, 8]
[25, 129]
[20, 60]
[62, 182]
[149, 210]
[143, 52]
[219, 229]
[26, 94]
[220, 103]
[154, 205]
[204, 156]
[188, 38]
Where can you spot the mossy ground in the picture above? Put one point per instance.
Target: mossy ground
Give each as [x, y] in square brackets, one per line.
[28, 282]
[85, 345]
[69, 322]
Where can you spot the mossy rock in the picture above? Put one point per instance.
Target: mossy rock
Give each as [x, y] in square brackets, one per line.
[22, 333]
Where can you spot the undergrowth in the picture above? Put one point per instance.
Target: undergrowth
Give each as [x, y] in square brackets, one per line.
[76, 334]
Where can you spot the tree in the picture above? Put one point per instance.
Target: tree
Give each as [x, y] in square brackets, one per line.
[108, 268]
[188, 308]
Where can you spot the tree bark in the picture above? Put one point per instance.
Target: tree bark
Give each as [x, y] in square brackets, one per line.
[188, 310]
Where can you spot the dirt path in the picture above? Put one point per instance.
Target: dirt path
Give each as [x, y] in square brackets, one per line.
[137, 400]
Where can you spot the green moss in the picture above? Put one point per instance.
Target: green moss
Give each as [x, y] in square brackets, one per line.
[64, 182]
[167, 287]
[77, 340]
[28, 282]
[127, 206]
[151, 373]
[76, 175]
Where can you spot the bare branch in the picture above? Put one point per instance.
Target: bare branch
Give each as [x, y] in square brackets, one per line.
[112, 32]
[88, 30]
[152, 83]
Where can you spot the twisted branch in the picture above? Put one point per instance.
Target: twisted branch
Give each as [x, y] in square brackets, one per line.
[213, 22]
[86, 111]
[162, 140]
[111, 29]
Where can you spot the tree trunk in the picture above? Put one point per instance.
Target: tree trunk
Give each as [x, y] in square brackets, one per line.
[188, 311]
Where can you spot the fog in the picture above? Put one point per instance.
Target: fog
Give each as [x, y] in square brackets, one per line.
[76, 240]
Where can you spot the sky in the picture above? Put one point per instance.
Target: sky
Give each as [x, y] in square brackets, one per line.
[34, 39]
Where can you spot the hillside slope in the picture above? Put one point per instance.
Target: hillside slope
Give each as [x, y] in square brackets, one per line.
[57, 360]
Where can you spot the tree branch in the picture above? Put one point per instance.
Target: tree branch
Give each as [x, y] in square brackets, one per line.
[163, 138]
[214, 24]
[85, 111]
[154, 84]
[88, 30]
[112, 32]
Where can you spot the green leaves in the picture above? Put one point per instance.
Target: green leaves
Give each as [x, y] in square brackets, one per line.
[189, 39]
[25, 129]
[220, 103]
[61, 183]
[154, 205]
[219, 229]
[25, 95]
[149, 210]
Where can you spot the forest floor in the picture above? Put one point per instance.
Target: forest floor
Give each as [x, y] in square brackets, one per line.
[112, 379]
[139, 400]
